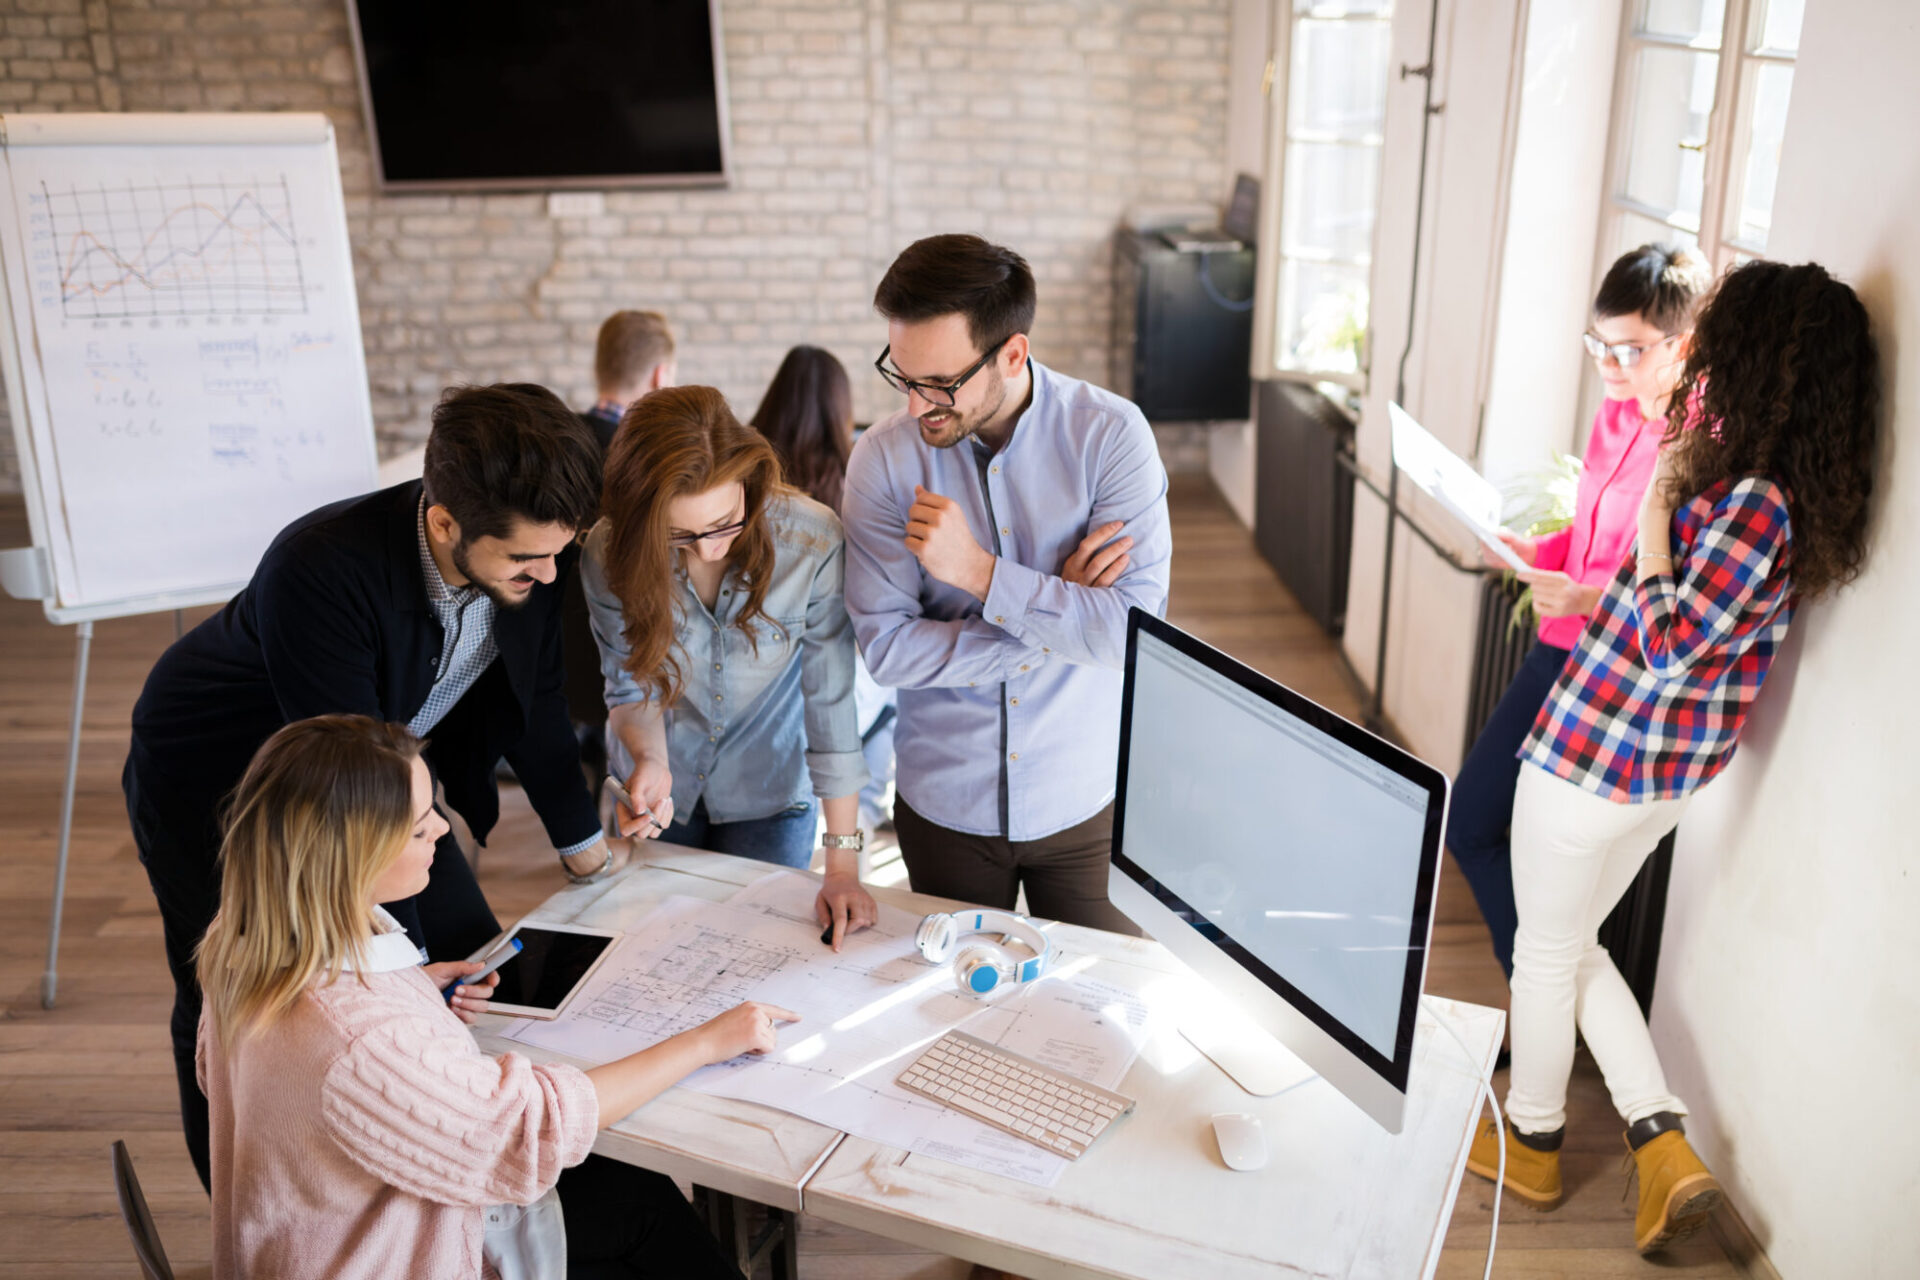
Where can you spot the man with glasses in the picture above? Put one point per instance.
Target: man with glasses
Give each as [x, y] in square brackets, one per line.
[998, 531]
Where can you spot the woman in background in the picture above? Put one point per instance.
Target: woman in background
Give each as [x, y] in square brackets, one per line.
[358, 1131]
[807, 412]
[1642, 320]
[1759, 500]
[716, 596]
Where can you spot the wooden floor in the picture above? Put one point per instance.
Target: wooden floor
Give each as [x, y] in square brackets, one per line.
[98, 1067]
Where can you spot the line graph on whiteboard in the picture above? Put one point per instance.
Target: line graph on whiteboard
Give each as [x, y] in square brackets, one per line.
[193, 248]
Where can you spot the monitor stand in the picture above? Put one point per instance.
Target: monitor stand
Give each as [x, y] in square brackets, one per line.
[1255, 1060]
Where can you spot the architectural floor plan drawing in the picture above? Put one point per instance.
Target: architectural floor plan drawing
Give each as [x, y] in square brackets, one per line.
[865, 1013]
[697, 978]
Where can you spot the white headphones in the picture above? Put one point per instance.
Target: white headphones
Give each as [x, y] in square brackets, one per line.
[984, 966]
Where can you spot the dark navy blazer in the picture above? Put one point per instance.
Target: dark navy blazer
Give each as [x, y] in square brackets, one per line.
[336, 619]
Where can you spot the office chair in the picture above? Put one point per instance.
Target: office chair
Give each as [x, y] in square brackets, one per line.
[133, 1211]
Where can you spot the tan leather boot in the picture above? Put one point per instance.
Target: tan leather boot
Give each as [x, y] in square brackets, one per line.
[1532, 1174]
[1677, 1194]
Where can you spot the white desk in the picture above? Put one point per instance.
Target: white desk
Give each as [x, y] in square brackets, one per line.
[1151, 1200]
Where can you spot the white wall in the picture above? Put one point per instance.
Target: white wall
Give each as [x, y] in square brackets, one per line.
[1787, 1011]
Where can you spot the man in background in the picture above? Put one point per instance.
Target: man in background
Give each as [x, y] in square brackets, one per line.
[632, 356]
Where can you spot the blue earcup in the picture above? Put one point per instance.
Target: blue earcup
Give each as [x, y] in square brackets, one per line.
[981, 968]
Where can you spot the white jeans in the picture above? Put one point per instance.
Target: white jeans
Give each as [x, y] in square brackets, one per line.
[1574, 854]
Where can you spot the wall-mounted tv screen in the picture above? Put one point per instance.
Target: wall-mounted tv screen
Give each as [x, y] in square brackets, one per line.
[518, 94]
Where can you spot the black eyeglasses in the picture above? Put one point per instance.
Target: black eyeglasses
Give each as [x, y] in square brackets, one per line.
[689, 539]
[940, 393]
[1625, 354]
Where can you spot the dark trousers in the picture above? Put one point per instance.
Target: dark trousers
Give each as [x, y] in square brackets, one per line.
[1480, 817]
[450, 918]
[625, 1223]
[1064, 874]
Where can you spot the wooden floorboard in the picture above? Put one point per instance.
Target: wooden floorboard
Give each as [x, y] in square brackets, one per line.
[99, 1066]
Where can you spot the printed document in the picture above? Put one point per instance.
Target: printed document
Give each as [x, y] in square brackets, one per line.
[1445, 476]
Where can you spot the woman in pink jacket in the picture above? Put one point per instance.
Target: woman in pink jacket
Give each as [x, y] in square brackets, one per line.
[1638, 339]
[358, 1131]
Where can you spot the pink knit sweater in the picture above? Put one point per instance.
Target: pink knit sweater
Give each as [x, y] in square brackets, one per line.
[364, 1133]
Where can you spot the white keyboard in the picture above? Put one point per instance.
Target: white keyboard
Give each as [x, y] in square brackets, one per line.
[1016, 1095]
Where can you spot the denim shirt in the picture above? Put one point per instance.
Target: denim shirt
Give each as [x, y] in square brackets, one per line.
[757, 729]
[1009, 709]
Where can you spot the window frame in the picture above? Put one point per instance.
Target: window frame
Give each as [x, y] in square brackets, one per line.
[1731, 117]
[1738, 56]
[1275, 90]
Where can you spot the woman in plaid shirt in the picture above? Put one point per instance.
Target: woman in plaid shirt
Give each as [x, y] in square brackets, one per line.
[1761, 505]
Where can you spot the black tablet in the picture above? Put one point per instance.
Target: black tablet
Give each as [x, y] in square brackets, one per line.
[555, 961]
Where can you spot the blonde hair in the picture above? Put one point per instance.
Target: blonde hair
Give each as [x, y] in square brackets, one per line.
[631, 345]
[325, 807]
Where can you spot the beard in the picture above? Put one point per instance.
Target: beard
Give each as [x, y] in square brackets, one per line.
[501, 597]
[958, 426]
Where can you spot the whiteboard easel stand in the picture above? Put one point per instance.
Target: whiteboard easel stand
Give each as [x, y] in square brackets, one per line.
[64, 150]
[24, 576]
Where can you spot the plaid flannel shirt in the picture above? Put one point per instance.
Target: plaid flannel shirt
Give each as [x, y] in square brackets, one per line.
[1653, 697]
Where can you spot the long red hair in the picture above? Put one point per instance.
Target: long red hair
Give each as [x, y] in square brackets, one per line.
[674, 443]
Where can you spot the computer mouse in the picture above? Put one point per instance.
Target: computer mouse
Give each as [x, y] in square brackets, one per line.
[1242, 1143]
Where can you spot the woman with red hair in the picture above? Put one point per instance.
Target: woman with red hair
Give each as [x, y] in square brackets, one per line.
[715, 593]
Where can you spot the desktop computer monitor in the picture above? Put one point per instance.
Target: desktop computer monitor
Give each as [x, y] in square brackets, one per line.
[1288, 856]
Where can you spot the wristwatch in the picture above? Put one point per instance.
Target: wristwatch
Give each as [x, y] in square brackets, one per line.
[855, 842]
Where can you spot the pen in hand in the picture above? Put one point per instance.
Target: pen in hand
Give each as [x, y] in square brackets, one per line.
[621, 794]
[500, 955]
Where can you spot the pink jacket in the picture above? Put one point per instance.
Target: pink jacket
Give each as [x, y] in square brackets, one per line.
[364, 1133]
[1613, 478]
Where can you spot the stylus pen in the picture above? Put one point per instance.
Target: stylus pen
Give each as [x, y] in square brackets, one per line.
[625, 797]
[505, 952]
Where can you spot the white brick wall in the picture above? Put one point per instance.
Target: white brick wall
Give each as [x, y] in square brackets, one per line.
[858, 126]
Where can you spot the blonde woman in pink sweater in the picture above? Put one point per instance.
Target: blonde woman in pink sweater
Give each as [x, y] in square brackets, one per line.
[358, 1131]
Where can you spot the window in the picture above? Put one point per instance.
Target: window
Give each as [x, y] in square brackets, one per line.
[1323, 176]
[1702, 100]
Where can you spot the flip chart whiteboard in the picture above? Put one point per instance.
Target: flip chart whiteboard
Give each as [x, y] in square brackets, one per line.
[181, 347]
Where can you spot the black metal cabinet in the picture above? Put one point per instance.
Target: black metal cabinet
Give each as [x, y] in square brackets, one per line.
[1183, 329]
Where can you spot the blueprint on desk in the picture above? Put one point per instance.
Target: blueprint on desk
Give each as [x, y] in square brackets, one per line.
[865, 1013]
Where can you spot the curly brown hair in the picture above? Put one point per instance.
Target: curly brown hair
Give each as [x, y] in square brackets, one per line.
[1784, 376]
[675, 442]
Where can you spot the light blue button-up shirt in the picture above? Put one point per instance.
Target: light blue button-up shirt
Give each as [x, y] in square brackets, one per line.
[757, 722]
[1009, 710]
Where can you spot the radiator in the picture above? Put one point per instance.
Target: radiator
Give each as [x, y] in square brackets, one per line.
[1631, 934]
[1303, 498]
[1497, 652]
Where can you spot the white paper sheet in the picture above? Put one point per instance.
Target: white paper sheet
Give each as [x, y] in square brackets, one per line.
[1442, 474]
[866, 1012]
